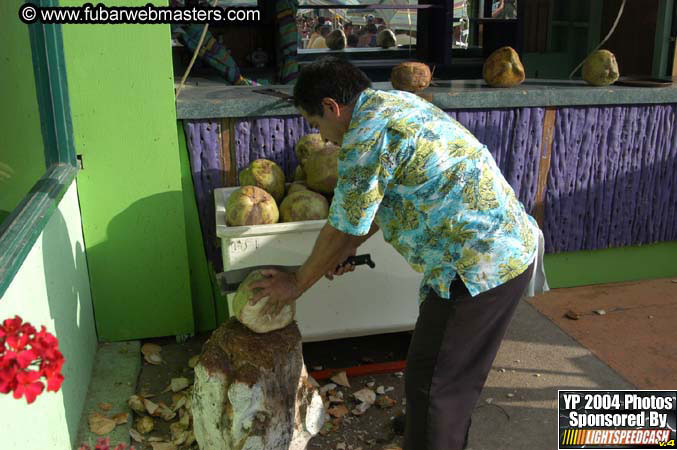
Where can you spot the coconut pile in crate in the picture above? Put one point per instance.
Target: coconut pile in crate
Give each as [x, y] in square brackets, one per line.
[264, 199]
[261, 199]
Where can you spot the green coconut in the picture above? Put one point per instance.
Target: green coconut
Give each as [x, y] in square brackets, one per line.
[306, 145]
[503, 68]
[321, 169]
[304, 205]
[251, 205]
[600, 68]
[299, 174]
[295, 187]
[250, 315]
[265, 174]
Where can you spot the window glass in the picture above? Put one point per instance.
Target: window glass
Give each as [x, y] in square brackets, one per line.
[365, 29]
[22, 157]
[504, 9]
[461, 24]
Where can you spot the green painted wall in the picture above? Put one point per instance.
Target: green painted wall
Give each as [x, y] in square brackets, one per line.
[52, 289]
[22, 157]
[124, 118]
[612, 265]
[200, 284]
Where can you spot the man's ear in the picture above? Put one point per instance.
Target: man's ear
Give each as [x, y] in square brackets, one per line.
[330, 107]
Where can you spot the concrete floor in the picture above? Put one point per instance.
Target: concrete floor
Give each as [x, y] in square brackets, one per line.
[631, 346]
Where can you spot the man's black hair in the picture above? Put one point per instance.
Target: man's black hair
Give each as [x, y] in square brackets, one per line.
[328, 77]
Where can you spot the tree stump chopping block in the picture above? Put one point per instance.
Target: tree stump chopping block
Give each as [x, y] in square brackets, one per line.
[252, 391]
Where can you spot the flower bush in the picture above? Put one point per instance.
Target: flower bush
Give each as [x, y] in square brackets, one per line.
[27, 357]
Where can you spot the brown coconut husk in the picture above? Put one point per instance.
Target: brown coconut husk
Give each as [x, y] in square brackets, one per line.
[410, 76]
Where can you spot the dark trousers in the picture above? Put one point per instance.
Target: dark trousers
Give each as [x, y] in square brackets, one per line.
[450, 355]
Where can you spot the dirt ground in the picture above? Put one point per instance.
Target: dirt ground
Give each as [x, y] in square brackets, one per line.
[630, 326]
[371, 430]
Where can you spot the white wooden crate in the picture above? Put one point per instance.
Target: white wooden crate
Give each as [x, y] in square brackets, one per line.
[366, 301]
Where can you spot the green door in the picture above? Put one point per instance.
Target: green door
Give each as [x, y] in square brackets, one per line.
[124, 120]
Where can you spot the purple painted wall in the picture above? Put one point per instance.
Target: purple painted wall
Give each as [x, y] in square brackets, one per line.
[612, 181]
[269, 138]
[613, 178]
[206, 163]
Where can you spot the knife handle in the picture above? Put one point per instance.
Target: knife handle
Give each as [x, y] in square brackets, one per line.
[359, 260]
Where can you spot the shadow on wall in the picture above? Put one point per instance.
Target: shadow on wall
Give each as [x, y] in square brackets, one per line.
[70, 307]
[140, 274]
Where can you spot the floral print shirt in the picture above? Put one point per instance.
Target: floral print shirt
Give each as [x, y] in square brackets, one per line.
[434, 190]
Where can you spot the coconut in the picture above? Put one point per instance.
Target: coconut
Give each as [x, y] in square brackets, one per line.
[299, 174]
[336, 40]
[295, 187]
[265, 174]
[600, 68]
[321, 169]
[503, 68]
[251, 205]
[250, 315]
[306, 145]
[386, 38]
[410, 76]
[304, 205]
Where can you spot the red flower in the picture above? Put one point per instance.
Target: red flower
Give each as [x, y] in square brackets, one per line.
[8, 378]
[15, 334]
[50, 368]
[28, 385]
[10, 326]
[54, 381]
[8, 359]
[45, 343]
[26, 357]
[16, 357]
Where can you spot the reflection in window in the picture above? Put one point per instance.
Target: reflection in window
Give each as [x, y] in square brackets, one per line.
[22, 152]
[461, 24]
[363, 28]
[504, 9]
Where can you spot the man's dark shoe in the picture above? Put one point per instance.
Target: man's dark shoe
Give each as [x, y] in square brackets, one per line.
[398, 424]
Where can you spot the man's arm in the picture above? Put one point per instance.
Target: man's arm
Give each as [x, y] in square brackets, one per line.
[337, 246]
[331, 248]
[328, 252]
